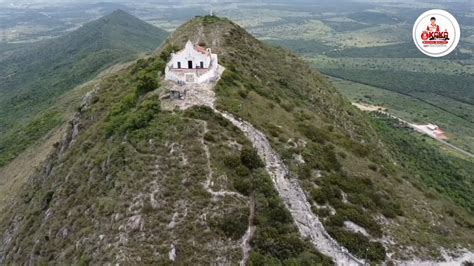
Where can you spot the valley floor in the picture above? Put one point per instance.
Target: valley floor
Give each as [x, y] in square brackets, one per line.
[418, 128]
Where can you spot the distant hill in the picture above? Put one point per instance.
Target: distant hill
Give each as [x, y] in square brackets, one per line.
[33, 76]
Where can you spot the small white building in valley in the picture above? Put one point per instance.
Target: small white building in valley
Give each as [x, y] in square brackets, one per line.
[193, 64]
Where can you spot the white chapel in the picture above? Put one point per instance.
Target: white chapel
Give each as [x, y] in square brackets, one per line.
[193, 64]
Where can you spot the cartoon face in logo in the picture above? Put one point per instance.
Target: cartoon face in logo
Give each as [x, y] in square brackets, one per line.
[433, 37]
[433, 27]
[432, 32]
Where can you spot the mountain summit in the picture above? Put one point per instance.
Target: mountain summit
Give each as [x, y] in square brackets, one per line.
[118, 30]
[50, 67]
[269, 165]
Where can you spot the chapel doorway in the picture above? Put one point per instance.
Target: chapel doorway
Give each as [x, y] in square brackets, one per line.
[190, 64]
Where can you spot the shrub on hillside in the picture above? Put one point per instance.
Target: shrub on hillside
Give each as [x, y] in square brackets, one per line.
[200, 112]
[165, 55]
[304, 172]
[123, 117]
[243, 184]
[359, 245]
[373, 167]
[243, 93]
[313, 133]
[231, 161]
[250, 158]
[330, 161]
[232, 224]
[358, 216]
[146, 82]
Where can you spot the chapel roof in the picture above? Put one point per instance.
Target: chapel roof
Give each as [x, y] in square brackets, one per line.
[197, 47]
[200, 49]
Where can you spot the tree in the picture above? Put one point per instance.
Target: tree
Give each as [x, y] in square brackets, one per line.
[146, 82]
[250, 158]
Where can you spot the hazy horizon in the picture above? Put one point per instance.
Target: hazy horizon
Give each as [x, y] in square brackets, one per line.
[219, 1]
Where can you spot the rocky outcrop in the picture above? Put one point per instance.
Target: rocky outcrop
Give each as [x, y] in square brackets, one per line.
[47, 170]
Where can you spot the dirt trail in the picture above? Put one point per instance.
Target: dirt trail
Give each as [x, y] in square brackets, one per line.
[208, 183]
[246, 247]
[293, 196]
[245, 242]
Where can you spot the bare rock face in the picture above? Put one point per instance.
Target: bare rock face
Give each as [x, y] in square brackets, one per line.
[355, 228]
[194, 94]
[172, 253]
[134, 224]
[64, 233]
[75, 124]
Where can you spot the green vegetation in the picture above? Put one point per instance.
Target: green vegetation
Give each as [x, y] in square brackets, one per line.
[374, 48]
[132, 119]
[19, 139]
[276, 239]
[359, 245]
[346, 26]
[402, 82]
[424, 65]
[303, 46]
[125, 137]
[250, 159]
[207, 20]
[413, 88]
[373, 17]
[34, 76]
[450, 176]
[120, 160]
[399, 50]
[125, 114]
[416, 111]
